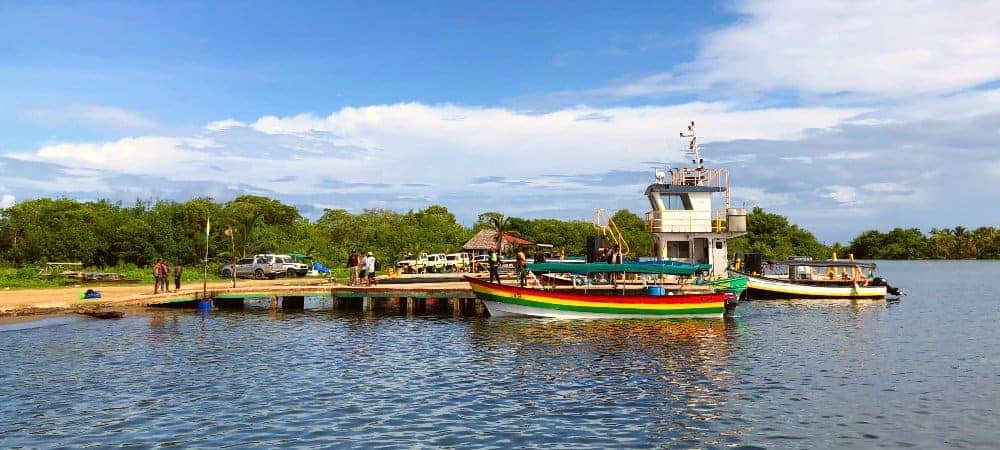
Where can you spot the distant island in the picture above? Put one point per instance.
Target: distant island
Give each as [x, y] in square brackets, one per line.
[106, 234]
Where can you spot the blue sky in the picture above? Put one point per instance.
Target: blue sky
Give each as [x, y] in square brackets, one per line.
[843, 116]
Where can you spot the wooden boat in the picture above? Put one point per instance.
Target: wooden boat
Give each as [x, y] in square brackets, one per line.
[589, 303]
[803, 278]
[504, 300]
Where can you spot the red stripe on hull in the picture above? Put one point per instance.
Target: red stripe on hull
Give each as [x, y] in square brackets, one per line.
[626, 299]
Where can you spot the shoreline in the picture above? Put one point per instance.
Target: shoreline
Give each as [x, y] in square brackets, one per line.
[48, 301]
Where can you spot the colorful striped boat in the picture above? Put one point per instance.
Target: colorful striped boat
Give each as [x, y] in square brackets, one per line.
[503, 300]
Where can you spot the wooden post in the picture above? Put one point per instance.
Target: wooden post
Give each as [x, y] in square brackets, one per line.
[366, 304]
[456, 307]
[480, 308]
[411, 305]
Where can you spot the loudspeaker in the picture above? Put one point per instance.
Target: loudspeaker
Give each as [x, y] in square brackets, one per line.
[594, 245]
[753, 263]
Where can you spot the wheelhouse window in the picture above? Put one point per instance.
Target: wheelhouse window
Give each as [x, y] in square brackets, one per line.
[678, 250]
[676, 202]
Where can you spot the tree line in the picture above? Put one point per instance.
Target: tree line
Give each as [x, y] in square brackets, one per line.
[103, 234]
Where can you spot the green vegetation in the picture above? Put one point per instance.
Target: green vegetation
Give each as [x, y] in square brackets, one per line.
[945, 243]
[27, 277]
[110, 237]
[774, 237]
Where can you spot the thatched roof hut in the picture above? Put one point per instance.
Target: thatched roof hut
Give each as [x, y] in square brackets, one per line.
[486, 239]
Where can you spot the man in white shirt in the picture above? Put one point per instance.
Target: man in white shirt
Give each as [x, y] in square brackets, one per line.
[369, 264]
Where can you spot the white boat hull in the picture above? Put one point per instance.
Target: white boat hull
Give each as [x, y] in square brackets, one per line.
[761, 288]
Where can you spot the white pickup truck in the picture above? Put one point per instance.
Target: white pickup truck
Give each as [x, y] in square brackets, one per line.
[266, 265]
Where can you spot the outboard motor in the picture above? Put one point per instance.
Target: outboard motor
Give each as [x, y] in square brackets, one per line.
[889, 289]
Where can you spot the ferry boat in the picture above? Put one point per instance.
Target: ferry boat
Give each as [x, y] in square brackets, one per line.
[688, 277]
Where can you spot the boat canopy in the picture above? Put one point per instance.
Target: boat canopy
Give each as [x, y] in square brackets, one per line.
[650, 267]
[825, 263]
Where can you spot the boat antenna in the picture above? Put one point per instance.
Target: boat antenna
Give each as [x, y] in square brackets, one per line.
[692, 149]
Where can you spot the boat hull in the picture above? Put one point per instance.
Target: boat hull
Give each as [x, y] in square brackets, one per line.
[502, 300]
[760, 288]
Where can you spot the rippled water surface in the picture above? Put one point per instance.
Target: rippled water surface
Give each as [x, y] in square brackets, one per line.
[923, 372]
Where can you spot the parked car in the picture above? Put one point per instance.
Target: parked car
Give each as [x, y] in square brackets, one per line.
[412, 265]
[456, 262]
[481, 263]
[435, 262]
[266, 265]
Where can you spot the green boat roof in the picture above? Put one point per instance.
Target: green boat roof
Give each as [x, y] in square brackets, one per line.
[666, 268]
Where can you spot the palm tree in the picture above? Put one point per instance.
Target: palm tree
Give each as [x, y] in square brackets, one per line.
[963, 242]
[497, 222]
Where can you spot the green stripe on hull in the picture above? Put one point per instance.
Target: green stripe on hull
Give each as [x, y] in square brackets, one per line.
[597, 309]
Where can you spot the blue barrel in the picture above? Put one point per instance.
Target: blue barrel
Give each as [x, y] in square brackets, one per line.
[656, 290]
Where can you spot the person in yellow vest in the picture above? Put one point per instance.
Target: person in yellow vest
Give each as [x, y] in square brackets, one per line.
[494, 265]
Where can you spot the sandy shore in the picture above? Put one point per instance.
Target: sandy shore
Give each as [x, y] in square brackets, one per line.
[50, 300]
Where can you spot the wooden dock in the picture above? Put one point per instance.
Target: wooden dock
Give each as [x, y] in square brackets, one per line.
[413, 298]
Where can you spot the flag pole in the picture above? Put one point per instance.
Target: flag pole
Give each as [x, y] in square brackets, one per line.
[204, 284]
[232, 242]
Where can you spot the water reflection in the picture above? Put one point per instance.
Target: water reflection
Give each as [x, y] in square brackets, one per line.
[803, 374]
[674, 373]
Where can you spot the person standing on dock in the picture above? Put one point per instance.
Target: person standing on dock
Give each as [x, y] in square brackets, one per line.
[178, 270]
[494, 265]
[156, 275]
[353, 266]
[369, 264]
[166, 276]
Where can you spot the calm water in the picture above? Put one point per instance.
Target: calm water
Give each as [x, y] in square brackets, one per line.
[924, 372]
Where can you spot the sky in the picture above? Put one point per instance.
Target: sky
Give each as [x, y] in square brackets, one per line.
[842, 116]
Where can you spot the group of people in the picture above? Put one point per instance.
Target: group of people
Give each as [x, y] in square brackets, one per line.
[362, 268]
[520, 265]
[612, 255]
[161, 275]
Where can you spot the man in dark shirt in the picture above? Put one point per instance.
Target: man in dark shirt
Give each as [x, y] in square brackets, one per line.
[353, 266]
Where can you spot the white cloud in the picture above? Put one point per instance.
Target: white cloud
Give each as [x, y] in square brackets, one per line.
[885, 187]
[885, 49]
[755, 196]
[223, 125]
[895, 48]
[100, 115]
[841, 194]
[7, 200]
[481, 141]
[133, 155]
[379, 149]
[834, 156]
